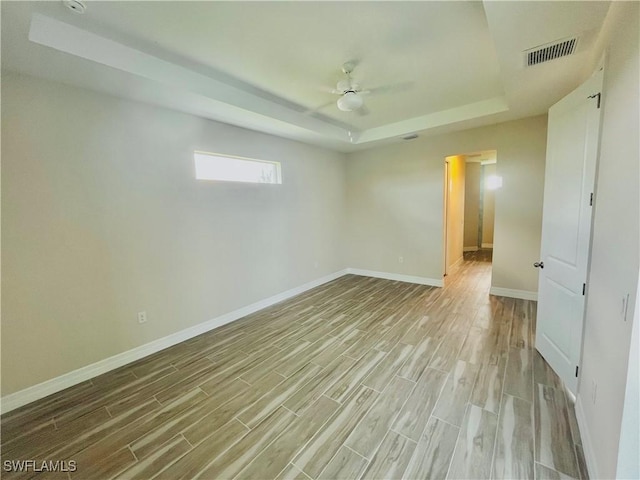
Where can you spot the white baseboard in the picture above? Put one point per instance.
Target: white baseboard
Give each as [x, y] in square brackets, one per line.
[470, 249]
[48, 387]
[587, 443]
[41, 390]
[398, 277]
[487, 245]
[509, 292]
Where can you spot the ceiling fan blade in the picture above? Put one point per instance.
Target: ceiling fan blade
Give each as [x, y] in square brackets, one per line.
[331, 90]
[393, 88]
[363, 111]
[311, 111]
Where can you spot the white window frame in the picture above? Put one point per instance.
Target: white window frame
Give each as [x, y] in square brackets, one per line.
[277, 169]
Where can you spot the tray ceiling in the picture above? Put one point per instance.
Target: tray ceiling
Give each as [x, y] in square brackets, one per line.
[270, 66]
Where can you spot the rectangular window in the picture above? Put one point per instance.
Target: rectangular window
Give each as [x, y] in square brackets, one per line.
[212, 166]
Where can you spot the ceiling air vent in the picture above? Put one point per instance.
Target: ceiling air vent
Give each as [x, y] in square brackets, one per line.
[550, 51]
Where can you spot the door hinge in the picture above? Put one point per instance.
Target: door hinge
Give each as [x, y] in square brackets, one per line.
[576, 370]
[591, 200]
[584, 287]
[596, 95]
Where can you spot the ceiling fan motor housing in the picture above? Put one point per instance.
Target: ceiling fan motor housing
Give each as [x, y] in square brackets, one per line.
[347, 85]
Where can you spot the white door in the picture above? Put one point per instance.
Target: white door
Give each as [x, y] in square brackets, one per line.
[572, 148]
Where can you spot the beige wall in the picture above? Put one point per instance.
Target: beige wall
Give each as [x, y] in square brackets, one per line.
[102, 217]
[471, 203]
[488, 207]
[395, 202]
[455, 211]
[616, 239]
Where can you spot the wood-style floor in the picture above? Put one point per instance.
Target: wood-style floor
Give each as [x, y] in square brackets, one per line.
[358, 378]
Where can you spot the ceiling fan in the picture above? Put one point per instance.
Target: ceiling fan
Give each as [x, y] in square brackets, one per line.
[350, 92]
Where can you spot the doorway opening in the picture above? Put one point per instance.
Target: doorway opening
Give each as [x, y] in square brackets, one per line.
[471, 181]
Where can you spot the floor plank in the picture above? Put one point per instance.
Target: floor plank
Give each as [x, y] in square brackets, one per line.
[553, 440]
[519, 375]
[349, 382]
[291, 472]
[233, 460]
[382, 374]
[324, 445]
[456, 392]
[108, 466]
[311, 391]
[419, 360]
[542, 372]
[474, 448]
[433, 453]
[199, 457]
[275, 457]
[156, 463]
[417, 410]
[345, 465]
[546, 473]
[392, 458]
[211, 421]
[272, 400]
[513, 457]
[487, 392]
[368, 435]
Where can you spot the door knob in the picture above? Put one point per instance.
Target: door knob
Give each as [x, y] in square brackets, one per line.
[539, 264]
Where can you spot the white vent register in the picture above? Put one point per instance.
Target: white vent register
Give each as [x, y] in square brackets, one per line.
[550, 51]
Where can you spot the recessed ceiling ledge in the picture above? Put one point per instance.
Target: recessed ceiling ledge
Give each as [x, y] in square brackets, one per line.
[445, 117]
[84, 44]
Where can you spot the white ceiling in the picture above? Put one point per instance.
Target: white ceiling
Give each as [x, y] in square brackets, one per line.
[269, 66]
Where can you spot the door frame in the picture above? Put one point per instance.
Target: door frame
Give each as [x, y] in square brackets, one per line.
[446, 217]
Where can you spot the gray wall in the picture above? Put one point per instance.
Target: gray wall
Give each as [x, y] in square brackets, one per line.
[488, 207]
[395, 202]
[615, 250]
[102, 217]
[472, 179]
[629, 446]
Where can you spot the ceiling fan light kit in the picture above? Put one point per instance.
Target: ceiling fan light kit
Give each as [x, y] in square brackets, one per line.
[349, 102]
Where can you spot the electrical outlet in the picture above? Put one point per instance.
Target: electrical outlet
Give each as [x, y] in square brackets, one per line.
[142, 317]
[315, 265]
[400, 259]
[594, 391]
